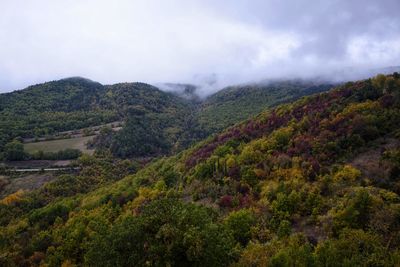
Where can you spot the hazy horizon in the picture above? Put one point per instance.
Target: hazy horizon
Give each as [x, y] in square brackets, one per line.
[198, 42]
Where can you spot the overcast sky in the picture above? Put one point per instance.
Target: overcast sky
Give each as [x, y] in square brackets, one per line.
[192, 41]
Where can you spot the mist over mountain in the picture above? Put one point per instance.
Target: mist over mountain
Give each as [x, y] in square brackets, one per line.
[211, 84]
[196, 42]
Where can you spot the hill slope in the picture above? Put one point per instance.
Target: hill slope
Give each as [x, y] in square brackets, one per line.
[76, 103]
[281, 189]
[157, 122]
[237, 103]
[50, 107]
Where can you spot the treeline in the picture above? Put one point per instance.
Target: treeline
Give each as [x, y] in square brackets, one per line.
[15, 151]
[65, 154]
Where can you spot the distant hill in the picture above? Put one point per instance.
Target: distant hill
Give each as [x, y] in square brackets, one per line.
[236, 103]
[157, 121]
[76, 103]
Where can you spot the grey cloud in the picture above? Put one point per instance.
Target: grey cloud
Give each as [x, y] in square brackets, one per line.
[190, 41]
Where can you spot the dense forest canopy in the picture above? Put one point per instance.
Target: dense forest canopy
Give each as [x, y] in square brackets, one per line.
[237, 103]
[76, 103]
[315, 182]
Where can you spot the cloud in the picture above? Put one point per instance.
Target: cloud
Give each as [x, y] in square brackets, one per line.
[190, 41]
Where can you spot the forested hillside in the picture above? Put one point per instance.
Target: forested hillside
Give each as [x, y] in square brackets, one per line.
[51, 107]
[155, 122]
[312, 183]
[75, 103]
[237, 103]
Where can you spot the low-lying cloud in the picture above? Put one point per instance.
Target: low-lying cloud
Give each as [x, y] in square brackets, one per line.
[194, 41]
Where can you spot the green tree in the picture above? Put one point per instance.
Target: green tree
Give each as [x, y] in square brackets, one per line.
[379, 81]
[240, 223]
[296, 251]
[357, 212]
[352, 248]
[141, 136]
[14, 151]
[168, 232]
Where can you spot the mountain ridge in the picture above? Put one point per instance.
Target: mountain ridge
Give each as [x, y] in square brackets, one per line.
[75, 103]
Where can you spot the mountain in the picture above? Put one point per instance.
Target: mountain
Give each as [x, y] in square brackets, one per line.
[236, 103]
[156, 122]
[314, 182]
[76, 103]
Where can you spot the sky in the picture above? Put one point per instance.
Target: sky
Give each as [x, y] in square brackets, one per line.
[217, 42]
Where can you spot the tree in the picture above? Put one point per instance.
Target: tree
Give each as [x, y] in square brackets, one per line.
[141, 136]
[296, 251]
[168, 232]
[352, 248]
[390, 85]
[240, 223]
[379, 81]
[357, 212]
[347, 174]
[292, 251]
[14, 151]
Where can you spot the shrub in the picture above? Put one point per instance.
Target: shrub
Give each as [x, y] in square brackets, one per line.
[284, 228]
[240, 223]
[347, 174]
[352, 248]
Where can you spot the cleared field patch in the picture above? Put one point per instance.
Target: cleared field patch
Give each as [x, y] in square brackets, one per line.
[61, 144]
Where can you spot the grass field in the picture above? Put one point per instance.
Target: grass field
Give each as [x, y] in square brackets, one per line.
[57, 145]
